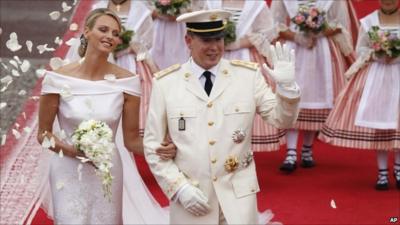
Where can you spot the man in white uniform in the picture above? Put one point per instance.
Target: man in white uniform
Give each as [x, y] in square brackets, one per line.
[207, 106]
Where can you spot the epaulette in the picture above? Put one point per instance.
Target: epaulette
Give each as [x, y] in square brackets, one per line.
[166, 71]
[247, 64]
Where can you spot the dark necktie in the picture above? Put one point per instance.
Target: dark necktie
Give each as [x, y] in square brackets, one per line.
[208, 85]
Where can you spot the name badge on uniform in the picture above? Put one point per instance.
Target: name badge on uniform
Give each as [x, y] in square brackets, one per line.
[181, 124]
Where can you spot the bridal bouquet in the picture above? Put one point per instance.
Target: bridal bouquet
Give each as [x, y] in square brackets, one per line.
[310, 19]
[171, 7]
[94, 139]
[126, 37]
[385, 42]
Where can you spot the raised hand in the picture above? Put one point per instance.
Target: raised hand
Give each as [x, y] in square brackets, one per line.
[283, 60]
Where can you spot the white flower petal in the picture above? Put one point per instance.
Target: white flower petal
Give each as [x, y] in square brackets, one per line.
[72, 41]
[58, 41]
[3, 105]
[16, 134]
[73, 27]
[6, 86]
[6, 79]
[16, 125]
[14, 63]
[59, 185]
[75, 1]
[5, 66]
[44, 48]
[110, 77]
[61, 153]
[22, 92]
[3, 139]
[27, 130]
[25, 66]
[40, 72]
[17, 59]
[65, 7]
[333, 204]
[55, 15]
[29, 45]
[34, 98]
[64, 19]
[55, 63]
[15, 73]
[12, 43]
[24, 115]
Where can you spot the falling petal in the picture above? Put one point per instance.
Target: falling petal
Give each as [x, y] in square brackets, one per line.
[5, 66]
[16, 134]
[61, 153]
[14, 63]
[25, 66]
[29, 45]
[27, 130]
[55, 15]
[64, 19]
[65, 7]
[17, 59]
[3, 139]
[40, 72]
[12, 43]
[15, 73]
[44, 48]
[3, 105]
[333, 204]
[6, 79]
[16, 125]
[83, 159]
[58, 40]
[34, 98]
[56, 63]
[75, 1]
[24, 115]
[59, 185]
[6, 86]
[22, 92]
[73, 27]
[1, 30]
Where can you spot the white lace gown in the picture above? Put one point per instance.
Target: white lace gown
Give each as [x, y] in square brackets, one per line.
[76, 190]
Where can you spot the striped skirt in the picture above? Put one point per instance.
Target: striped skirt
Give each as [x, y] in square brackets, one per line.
[146, 78]
[340, 129]
[265, 137]
[314, 119]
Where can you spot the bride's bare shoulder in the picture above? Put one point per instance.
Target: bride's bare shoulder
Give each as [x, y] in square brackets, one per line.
[121, 72]
[68, 70]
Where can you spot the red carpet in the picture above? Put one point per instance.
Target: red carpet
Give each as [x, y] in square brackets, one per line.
[345, 176]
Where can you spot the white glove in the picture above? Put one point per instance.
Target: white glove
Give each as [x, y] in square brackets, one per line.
[305, 41]
[194, 201]
[283, 60]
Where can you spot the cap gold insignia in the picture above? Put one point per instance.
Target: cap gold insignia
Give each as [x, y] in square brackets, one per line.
[213, 17]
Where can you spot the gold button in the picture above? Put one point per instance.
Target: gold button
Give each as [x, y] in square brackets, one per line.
[214, 160]
[211, 142]
[209, 105]
[182, 114]
[225, 72]
[187, 75]
[237, 110]
[210, 123]
[253, 190]
[215, 178]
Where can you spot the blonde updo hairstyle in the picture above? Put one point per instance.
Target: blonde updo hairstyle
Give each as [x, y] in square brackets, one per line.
[89, 23]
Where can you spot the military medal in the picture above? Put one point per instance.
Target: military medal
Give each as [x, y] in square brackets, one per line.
[181, 124]
[238, 136]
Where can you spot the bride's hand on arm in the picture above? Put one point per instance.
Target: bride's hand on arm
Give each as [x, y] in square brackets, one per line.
[167, 150]
[48, 108]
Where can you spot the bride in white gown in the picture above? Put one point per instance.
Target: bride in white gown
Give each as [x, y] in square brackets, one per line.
[96, 89]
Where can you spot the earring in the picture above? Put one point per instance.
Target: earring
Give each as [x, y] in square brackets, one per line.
[84, 42]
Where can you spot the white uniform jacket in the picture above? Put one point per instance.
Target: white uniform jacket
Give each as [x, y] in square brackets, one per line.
[202, 127]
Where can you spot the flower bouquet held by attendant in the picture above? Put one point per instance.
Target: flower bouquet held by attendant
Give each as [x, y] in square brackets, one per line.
[95, 139]
[126, 37]
[171, 7]
[385, 42]
[310, 19]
